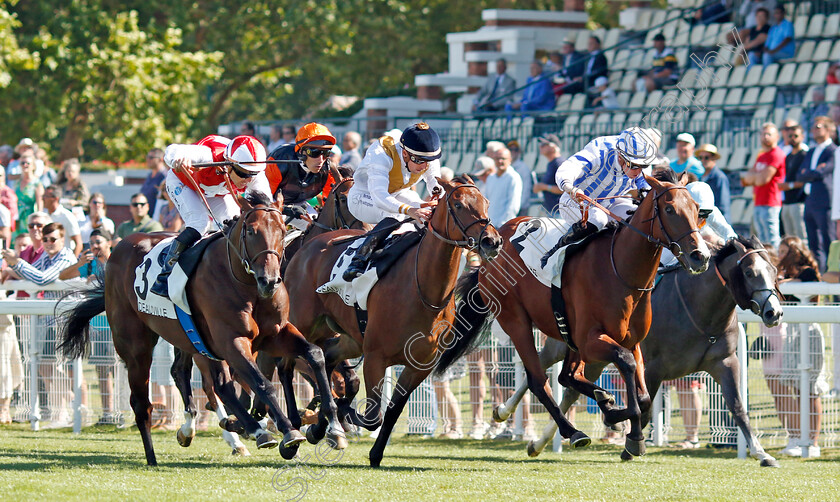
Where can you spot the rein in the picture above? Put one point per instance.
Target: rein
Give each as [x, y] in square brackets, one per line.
[468, 243]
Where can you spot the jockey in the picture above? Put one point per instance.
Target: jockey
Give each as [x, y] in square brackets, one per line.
[246, 173]
[310, 175]
[607, 167]
[382, 191]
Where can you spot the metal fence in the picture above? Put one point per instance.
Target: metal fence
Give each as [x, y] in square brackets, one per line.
[778, 363]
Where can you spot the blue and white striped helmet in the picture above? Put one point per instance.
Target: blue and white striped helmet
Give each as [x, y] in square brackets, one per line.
[636, 146]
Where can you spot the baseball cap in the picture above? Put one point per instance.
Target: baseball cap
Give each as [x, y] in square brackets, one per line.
[551, 139]
[686, 137]
[601, 81]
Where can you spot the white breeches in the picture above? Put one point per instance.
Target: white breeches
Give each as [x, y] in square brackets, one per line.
[569, 212]
[362, 206]
[301, 224]
[192, 209]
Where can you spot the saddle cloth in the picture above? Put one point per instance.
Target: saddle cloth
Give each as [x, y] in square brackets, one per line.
[356, 292]
[535, 237]
[146, 274]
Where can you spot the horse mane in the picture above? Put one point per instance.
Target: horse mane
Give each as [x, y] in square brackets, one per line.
[666, 175]
[729, 248]
[463, 179]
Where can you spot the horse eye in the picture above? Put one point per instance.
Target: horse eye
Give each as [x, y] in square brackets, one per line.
[458, 205]
[669, 210]
[251, 231]
[750, 273]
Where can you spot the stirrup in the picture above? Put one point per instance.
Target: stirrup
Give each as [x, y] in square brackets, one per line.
[356, 268]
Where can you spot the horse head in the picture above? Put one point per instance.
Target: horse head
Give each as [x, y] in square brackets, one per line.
[677, 215]
[335, 215]
[460, 217]
[261, 232]
[752, 279]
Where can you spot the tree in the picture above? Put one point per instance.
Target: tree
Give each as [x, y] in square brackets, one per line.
[100, 77]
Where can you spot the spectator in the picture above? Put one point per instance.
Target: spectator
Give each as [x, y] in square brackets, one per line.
[793, 202]
[29, 190]
[781, 362]
[69, 180]
[834, 114]
[8, 198]
[350, 143]
[714, 12]
[289, 133]
[765, 175]
[833, 77]
[554, 63]
[749, 12]
[525, 175]
[446, 174]
[779, 44]
[550, 149]
[140, 220]
[665, 69]
[596, 65]
[96, 218]
[449, 408]
[503, 190]
[45, 270]
[157, 173]
[5, 230]
[275, 138]
[787, 128]
[606, 97]
[572, 65]
[685, 160]
[484, 166]
[818, 108]
[92, 261]
[714, 177]
[11, 367]
[497, 91]
[816, 170]
[756, 37]
[60, 214]
[492, 147]
[248, 128]
[168, 215]
[538, 94]
[36, 223]
[6, 155]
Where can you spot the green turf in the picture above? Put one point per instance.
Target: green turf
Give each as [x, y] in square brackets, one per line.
[108, 464]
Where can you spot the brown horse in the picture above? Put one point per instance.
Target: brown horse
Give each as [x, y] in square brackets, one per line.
[606, 289]
[334, 215]
[240, 307]
[409, 309]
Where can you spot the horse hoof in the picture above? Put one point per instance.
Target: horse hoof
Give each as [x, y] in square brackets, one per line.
[293, 438]
[266, 440]
[241, 451]
[603, 397]
[532, 449]
[626, 456]
[310, 435]
[183, 439]
[769, 462]
[635, 447]
[497, 416]
[337, 440]
[579, 440]
[289, 453]
[375, 462]
[232, 424]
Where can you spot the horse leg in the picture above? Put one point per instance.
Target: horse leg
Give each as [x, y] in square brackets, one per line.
[726, 374]
[549, 355]
[286, 372]
[267, 365]
[516, 323]
[409, 380]
[135, 345]
[374, 371]
[181, 372]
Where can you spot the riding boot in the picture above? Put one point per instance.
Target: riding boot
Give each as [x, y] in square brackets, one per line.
[577, 232]
[183, 242]
[360, 260]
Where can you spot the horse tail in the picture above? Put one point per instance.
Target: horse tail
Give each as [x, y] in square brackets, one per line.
[75, 323]
[471, 318]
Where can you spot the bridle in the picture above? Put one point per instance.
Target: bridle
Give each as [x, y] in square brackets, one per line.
[337, 214]
[772, 291]
[467, 242]
[242, 250]
[671, 244]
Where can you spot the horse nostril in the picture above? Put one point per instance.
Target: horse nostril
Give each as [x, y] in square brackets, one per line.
[699, 256]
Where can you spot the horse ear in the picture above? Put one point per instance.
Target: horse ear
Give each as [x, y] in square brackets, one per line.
[469, 179]
[443, 183]
[740, 247]
[653, 182]
[683, 179]
[278, 199]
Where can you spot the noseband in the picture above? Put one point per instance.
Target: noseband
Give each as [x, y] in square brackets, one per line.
[773, 291]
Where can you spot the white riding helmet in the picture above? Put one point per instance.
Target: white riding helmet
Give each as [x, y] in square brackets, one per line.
[247, 154]
[702, 195]
[637, 147]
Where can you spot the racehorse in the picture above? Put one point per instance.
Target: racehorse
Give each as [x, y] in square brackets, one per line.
[410, 308]
[742, 275]
[244, 310]
[607, 314]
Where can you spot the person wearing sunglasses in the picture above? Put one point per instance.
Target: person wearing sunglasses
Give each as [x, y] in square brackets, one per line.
[307, 172]
[382, 191]
[714, 177]
[607, 169]
[219, 185]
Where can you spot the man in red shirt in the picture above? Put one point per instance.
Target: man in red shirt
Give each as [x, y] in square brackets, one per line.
[765, 176]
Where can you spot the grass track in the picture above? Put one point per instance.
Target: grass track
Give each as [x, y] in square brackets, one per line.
[107, 464]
